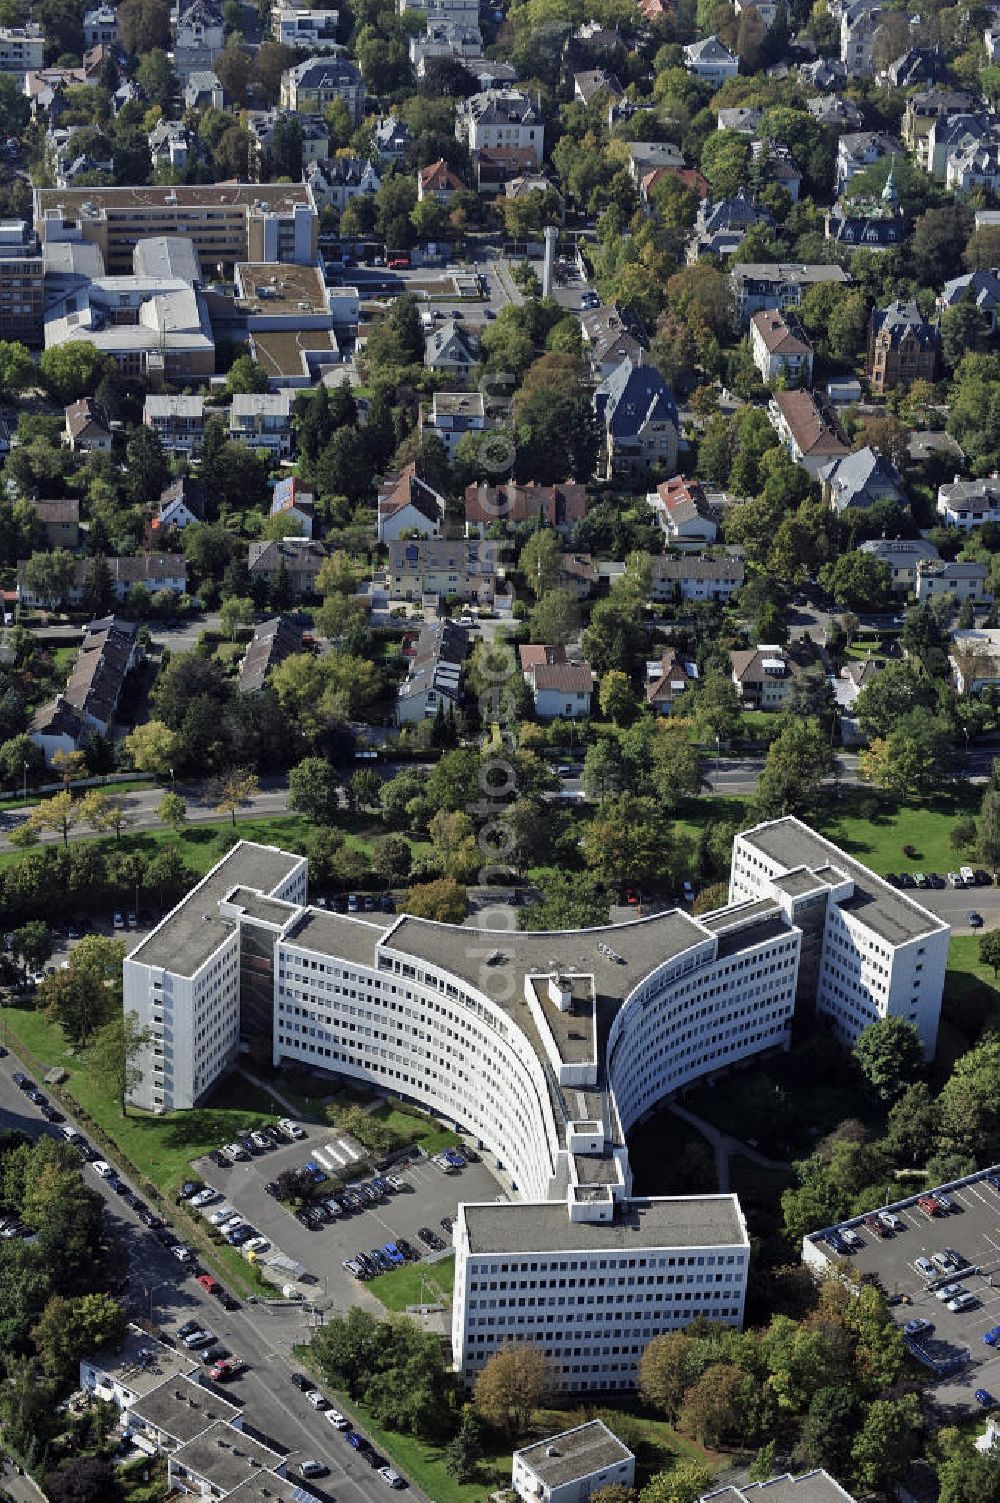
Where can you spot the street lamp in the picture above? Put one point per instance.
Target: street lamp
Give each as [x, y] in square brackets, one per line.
[171, 780]
[718, 758]
[24, 782]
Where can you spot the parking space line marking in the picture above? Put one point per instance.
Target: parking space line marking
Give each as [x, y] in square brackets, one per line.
[352, 1153]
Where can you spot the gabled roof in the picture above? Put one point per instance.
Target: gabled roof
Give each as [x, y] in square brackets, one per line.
[781, 333]
[291, 493]
[813, 427]
[63, 511]
[750, 664]
[449, 341]
[632, 397]
[83, 420]
[439, 178]
[563, 678]
[860, 478]
[272, 642]
[673, 676]
[188, 493]
[407, 489]
[535, 654]
[902, 319]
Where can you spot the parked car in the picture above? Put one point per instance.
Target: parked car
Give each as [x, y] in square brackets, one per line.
[974, 919]
[985, 1399]
[992, 1336]
[199, 1337]
[190, 1188]
[301, 1382]
[891, 1221]
[963, 1301]
[918, 1327]
[392, 1477]
[338, 1420]
[312, 1468]
[852, 1238]
[317, 1400]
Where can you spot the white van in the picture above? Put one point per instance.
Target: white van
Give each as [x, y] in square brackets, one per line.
[968, 876]
[289, 1291]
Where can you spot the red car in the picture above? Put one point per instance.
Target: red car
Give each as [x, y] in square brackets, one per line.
[226, 1367]
[399, 263]
[210, 1285]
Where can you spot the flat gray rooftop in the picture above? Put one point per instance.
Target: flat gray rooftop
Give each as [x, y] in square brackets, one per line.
[226, 1457]
[574, 1033]
[193, 930]
[888, 913]
[574, 1453]
[595, 1169]
[142, 1363]
[813, 1487]
[265, 1487]
[798, 882]
[731, 917]
[268, 910]
[763, 929]
[337, 934]
[183, 1409]
[641, 944]
[544, 1227]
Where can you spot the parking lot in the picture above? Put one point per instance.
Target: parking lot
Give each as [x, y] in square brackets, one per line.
[429, 1195]
[972, 1229]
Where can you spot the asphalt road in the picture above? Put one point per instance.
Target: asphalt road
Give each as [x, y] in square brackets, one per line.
[162, 1290]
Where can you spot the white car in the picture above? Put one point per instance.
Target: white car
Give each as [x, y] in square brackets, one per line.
[949, 1292]
[392, 1477]
[255, 1244]
[103, 1168]
[337, 1420]
[219, 1216]
[955, 879]
[204, 1197]
[963, 1301]
[203, 1337]
[293, 1128]
[312, 1468]
[891, 1221]
[851, 1237]
[181, 1253]
[230, 1224]
[316, 1399]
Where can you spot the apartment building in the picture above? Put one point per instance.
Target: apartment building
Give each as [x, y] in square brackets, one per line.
[969, 503]
[901, 556]
[263, 420]
[959, 580]
[22, 283]
[776, 284]
[711, 60]
[780, 349]
[318, 81]
[262, 128]
[228, 222]
[673, 579]
[500, 117]
[199, 36]
[636, 409]
[453, 414]
[59, 520]
[100, 27]
[567, 1467]
[178, 422]
[681, 508]
[859, 24]
[548, 1047]
[309, 29]
[439, 566]
[808, 428]
[295, 561]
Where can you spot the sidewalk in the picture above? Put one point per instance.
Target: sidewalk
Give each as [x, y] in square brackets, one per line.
[723, 1146]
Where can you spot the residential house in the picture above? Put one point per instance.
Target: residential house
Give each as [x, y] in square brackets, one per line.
[901, 555]
[60, 521]
[646, 156]
[312, 30]
[391, 138]
[446, 39]
[683, 513]
[673, 579]
[961, 581]
[449, 350]
[203, 91]
[922, 109]
[264, 128]
[859, 150]
[531, 654]
[981, 288]
[440, 566]
[767, 10]
[780, 349]
[762, 675]
[292, 499]
[178, 422]
[453, 414]
[199, 36]
[89, 702]
[950, 135]
[292, 563]
[572, 1465]
[720, 227]
[334, 181]
[100, 27]
[557, 506]
[873, 223]
[972, 167]
[181, 504]
[808, 428]
[667, 679]
[153, 571]
[169, 145]
[577, 574]
[902, 347]
[496, 166]
[22, 48]
[711, 60]
[272, 642]
[263, 420]
[860, 480]
[916, 67]
[594, 81]
[611, 335]
[636, 409]
[561, 691]
[500, 117]
[746, 119]
[438, 182]
[434, 676]
[969, 503]
[764, 285]
[835, 112]
[777, 164]
[826, 73]
[859, 24]
[847, 687]
[408, 505]
[975, 659]
[687, 175]
[86, 432]
[535, 182]
[309, 86]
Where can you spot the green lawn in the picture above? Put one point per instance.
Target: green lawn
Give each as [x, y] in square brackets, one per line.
[971, 999]
[416, 1284]
[876, 832]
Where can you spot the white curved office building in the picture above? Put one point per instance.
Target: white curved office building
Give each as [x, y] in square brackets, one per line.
[547, 1047]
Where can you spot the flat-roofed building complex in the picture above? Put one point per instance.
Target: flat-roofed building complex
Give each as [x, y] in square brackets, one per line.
[571, 1465]
[228, 222]
[548, 1047]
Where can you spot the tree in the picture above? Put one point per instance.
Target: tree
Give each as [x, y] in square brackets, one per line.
[969, 1103]
[936, 242]
[143, 25]
[32, 942]
[715, 1407]
[666, 1370]
[233, 68]
[515, 1381]
[890, 695]
[59, 813]
[555, 618]
[152, 747]
[912, 1126]
[115, 1054]
[797, 761]
[889, 1054]
[73, 369]
[453, 839]
[964, 327]
[50, 575]
[540, 561]
[105, 814]
[391, 859]
[627, 841]
[828, 1429]
[465, 1449]
[235, 612]
[614, 1492]
[857, 581]
[245, 375]
[616, 698]
[912, 759]
[988, 830]
[716, 708]
[969, 1476]
[314, 789]
[70, 1328]
[148, 469]
[84, 1479]
[172, 812]
[444, 901]
[685, 1482]
[17, 369]
[235, 788]
[887, 1442]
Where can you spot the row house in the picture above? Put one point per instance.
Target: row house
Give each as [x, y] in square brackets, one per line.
[465, 568]
[673, 580]
[557, 506]
[177, 421]
[435, 673]
[87, 706]
[154, 571]
[263, 420]
[807, 427]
